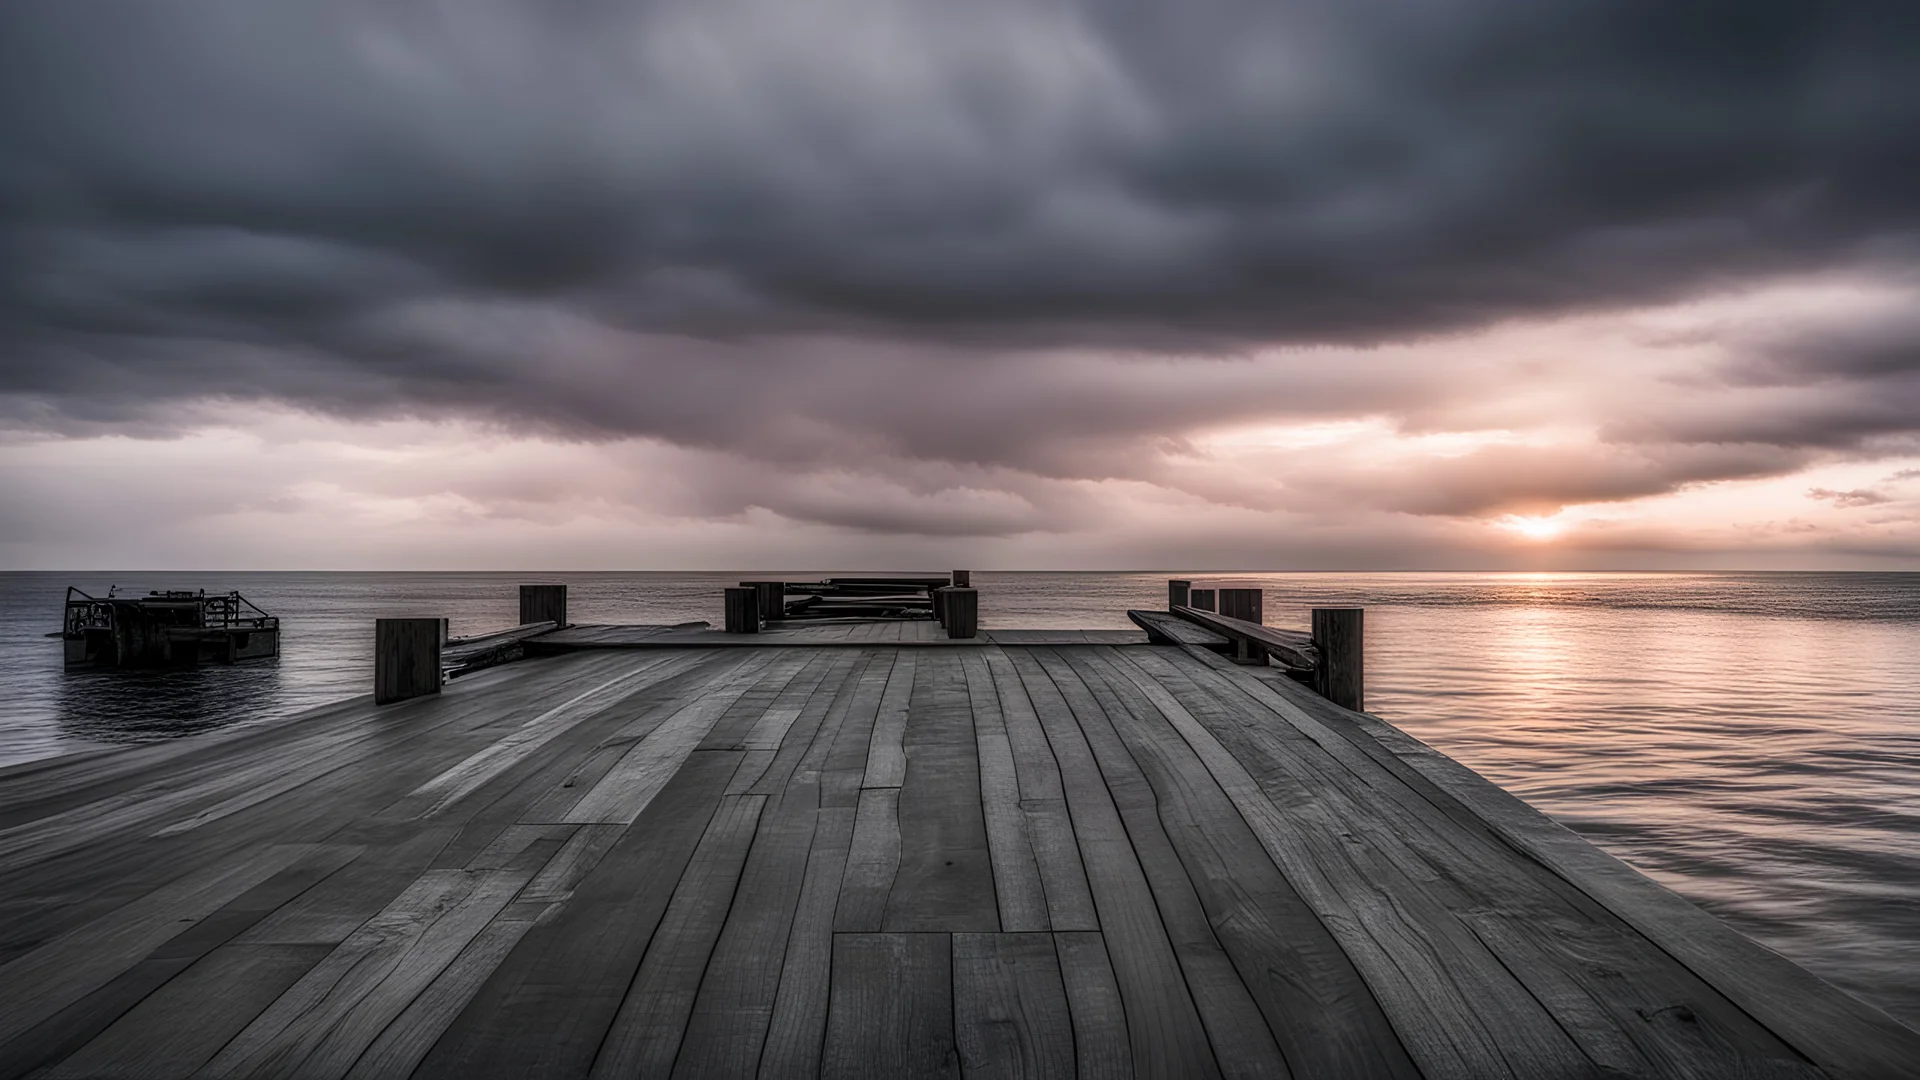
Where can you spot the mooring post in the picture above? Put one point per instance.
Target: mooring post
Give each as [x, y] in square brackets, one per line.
[541, 603]
[1177, 590]
[1200, 599]
[743, 610]
[773, 598]
[963, 579]
[1242, 604]
[406, 658]
[1338, 636]
[1245, 604]
[962, 611]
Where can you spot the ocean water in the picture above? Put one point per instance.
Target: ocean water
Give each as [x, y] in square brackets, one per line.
[1750, 740]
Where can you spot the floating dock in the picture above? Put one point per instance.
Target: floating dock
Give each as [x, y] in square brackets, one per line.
[859, 850]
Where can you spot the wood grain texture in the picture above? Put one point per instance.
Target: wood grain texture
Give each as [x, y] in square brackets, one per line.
[1021, 896]
[646, 1033]
[1101, 1044]
[546, 1008]
[324, 1022]
[887, 752]
[1083, 854]
[1167, 1037]
[1459, 1012]
[799, 1021]
[1321, 1013]
[872, 862]
[730, 1016]
[1236, 1029]
[945, 877]
[1010, 1016]
[172, 1032]
[890, 1009]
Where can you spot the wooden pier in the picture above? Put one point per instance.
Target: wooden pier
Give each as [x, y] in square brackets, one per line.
[858, 849]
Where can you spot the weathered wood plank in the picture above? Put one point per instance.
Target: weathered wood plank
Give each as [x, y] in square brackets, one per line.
[846, 765]
[1165, 628]
[789, 678]
[574, 861]
[68, 1030]
[528, 739]
[401, 1046]
[1325, 1020]
[172, 1032]
[1101, 1046]
[1010, 1015]
[1238, 1032]
[886, 753]
[811, 735]
[1459, 1012]
[945, 878]
[871, 863]
[1016, 876]
[890, 1009]
[633, 782]
[1043, 806]
[545, 1009]
[1757, 979]
[325, 1021]
[730, 1015]
[39, 984]
[1164, 1028]
[799, 1022]
[646, 1032]
[394, 854]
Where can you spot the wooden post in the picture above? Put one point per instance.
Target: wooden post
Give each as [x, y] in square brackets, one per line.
[743, 610]
[939, 598]
[773, 598]
[1242, 604]
[1245, 604]
[406, 658]
[1177, 590]
[963, 579]
[1338, 635]
[963, 612]
[1201, 599]
[539, 603]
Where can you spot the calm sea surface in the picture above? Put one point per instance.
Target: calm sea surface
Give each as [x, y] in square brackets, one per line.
[1750, 740]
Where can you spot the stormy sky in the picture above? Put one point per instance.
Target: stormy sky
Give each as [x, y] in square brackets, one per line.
[1217, 284]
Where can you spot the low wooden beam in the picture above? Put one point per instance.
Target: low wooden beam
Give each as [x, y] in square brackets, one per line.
[406, 658]
[1338, 638]
[1202, 599]
[742, 610]
[962, 607]
[543, 603]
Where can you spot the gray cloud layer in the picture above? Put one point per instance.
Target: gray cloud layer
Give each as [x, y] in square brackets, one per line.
[1027, 239]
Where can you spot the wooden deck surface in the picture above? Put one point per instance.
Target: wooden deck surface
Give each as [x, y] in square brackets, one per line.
[995, 860]
[823, 632]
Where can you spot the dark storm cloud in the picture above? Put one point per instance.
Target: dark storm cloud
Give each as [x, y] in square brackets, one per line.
[855, 232]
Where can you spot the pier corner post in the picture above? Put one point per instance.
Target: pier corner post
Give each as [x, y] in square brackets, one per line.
[962, 608]
[1177, 590]
[543, 603]
[963, 579]
[406, 658]
[742, 610]
[1339, 637]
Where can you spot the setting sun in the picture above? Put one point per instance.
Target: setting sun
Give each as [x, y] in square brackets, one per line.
[1534, 528]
